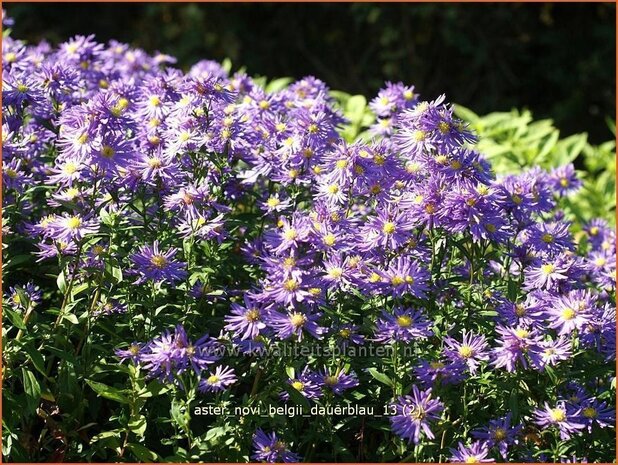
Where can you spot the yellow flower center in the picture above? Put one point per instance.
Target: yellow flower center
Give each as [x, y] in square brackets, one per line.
[564, 182]
[158, 261]
[471, 459]
[522, 333]
[499, 434]
[417, 413]
[466, 351]
[374, 278]
[404, 321]
[16, 299]
[436, 365]
[388, 228]
[73, 222]
[291, 285]
[11, 173]
[335, 273]
[331, 380]
[72, 192]
[345, 333]
[315, 291]
[289, 262]
[594, 231]
[212, 379]
[430, 208]
[333, 189]
[154, 162]
[290, 234]
[329, 239]
[341, 164]
[444, 127]
[298, 320]
[379, 160]
[298, 385]
[547, 238]
[456, 165]
[397, 280]
[590, 412]
[154, 101]
[600, 261]
[272, 202]
[107, 151]
[252, 315]
[69, 168]
[548, 268]
[557, 415]
[82, 139]
[490, 227]
[568, 314]
[408, 95]
[419, 135]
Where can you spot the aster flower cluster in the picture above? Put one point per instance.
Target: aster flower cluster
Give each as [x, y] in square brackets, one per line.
[202, 202]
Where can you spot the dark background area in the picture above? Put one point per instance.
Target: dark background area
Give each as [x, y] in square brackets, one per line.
[558, 60]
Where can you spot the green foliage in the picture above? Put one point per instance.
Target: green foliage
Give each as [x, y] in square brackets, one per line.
[514, 141]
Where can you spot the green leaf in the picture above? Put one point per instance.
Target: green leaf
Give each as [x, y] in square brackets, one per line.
[15, 318]
[278, 84]
[466, 114]
[61, 282]
[142, 453]
[32, 389]
[380, 376]
[108, 392]
[71, 318]
[137, 425]
[36, 358]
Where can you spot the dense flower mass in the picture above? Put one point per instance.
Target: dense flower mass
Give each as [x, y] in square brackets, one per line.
[170, 204]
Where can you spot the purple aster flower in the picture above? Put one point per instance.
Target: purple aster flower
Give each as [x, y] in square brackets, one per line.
[550, 352]
[388, 230]
[72, 227]
[405, 324]
[338, 381]
[269, 448]
[570, 312]
[155, 265]
[548, 273]
[475, 453]
[246, 322]
[564, 179]
[295, 323]
[471, 350]
[111, 307]
[306, 384]
[348, 334]
[597, 412]
[549, 238]
[133, 352]
[514, 343]
[565, 418]
[285, 290]
[499, 434]
[405, 276]
[24, 297]
[218, 380]
[414, 414]
[451, 372]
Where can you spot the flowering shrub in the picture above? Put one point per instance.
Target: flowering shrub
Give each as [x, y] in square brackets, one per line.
[199, 267]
